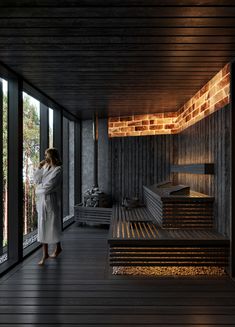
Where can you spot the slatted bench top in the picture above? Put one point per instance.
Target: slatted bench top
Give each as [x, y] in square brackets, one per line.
[132, 224]
[137, 224]
[193, 195]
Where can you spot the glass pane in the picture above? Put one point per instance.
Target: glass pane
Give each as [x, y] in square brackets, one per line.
[4, 173]
[50, 128]
[71, 167]
[31, 155]
[65, 167]
[68, 169]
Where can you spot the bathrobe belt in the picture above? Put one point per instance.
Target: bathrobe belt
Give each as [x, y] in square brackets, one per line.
[44, 205]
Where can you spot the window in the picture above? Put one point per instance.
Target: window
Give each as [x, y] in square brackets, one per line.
[4, 170]
[31, 156]
[20, 155]
[51, 116]
[68, 169]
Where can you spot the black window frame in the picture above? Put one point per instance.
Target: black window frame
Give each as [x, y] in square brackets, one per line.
[16, 86]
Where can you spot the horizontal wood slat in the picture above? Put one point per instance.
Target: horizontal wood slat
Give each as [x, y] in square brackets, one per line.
[92, 214]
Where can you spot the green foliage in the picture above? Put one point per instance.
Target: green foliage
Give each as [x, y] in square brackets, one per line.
[31, 144]
[31, 128]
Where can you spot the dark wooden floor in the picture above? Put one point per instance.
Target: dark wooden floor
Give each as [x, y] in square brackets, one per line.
[77, 289]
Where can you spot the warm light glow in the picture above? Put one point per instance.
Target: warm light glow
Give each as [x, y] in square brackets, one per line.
[174, 271]
[213, 96]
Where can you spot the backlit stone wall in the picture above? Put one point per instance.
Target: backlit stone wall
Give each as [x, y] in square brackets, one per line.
[213, 96]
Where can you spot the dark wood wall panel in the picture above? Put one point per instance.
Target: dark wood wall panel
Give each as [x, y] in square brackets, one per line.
[138, 161]
[209, 141]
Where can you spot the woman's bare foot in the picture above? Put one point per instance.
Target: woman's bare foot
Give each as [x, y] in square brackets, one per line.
[42, 261]
[56, 253]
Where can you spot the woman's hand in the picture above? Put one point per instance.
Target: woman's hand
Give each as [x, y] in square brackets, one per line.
[41, 164]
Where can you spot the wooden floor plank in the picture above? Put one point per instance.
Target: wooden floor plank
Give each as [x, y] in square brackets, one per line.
[112, 325]
[118, 288]
[115, 294]
[135, 320]
[115, 325]
[148, 310]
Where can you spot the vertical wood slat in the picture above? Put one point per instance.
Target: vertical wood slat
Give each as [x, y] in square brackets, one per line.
[130, 164]
[227, 169]
[1, 167]
[232, 169]
[138, 161]
[174, 157]
[216, 171]
[139, 176]
[220, 180]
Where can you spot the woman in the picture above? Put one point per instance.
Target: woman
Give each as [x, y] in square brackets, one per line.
[48, 181]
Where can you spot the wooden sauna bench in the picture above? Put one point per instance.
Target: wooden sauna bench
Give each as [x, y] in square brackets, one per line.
[176, 206]
[136, 239]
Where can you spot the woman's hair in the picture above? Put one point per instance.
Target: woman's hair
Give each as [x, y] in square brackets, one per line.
[54, 156]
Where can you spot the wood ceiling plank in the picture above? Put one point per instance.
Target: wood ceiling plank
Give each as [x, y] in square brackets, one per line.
[116, 32]
[148, 74]
[122, 11]
[221, 60]
[115, 22]
[46, 61]
[107, 50]
[100, 40]
[75, 3]
[144, 67]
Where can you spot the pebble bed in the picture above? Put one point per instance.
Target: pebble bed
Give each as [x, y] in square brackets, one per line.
[170, 271]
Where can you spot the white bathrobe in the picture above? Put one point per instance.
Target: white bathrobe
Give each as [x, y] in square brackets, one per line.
[48, 183]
